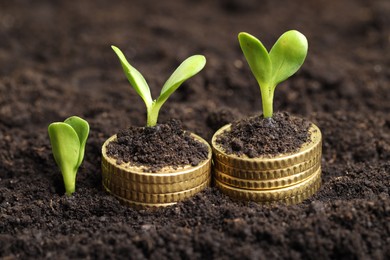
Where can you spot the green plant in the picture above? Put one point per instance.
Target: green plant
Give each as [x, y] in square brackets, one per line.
[68, 140]
[285, 58]
[186, 70]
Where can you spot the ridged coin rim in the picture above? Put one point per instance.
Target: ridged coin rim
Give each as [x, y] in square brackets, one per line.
[298, 198]
[267, 174]
[157, 188]
[156, 198]
[269, 184]
[270, 195]
[140, 205]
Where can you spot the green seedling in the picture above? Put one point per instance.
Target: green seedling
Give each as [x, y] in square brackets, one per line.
[285, 58]
[186, 70]
[68, 140]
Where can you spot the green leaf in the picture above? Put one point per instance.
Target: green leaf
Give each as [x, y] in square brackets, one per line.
[257, 57]
[287, 55]
[186, 70]
[66, 149]
[135, 78]
[68, 140]
[81, 127]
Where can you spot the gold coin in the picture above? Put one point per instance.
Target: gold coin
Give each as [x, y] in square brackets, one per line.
[271, 195]
[155, 198]
[139, 205]
[156, 188]
[298, 198]
[307, 151]
[111, 170]
[289, 201]
[303, 196]
[265, 184]
[267, 174]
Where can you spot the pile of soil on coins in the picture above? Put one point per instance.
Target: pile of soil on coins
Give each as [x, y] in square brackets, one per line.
[158, 146]
[258, 136]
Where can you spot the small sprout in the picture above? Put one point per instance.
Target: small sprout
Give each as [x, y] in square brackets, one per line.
[186, 70]
[68, 140]
[285, 58]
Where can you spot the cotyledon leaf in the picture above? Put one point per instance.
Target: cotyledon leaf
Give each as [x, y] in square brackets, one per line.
[65, 146]
[81, 127]
[257, 57]
[287, 55]
[135, 78]
[186, 70]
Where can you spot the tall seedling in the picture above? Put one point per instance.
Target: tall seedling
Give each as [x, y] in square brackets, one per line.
[186, 70]
[285, 58]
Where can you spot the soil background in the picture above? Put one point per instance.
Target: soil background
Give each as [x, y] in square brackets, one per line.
[56, 61]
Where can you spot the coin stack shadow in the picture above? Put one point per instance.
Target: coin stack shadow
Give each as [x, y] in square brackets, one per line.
[134, 187]
[286, 178]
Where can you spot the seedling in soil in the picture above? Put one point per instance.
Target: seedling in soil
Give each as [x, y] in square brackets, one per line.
[285, 58]
[68, 140]
[186, 70]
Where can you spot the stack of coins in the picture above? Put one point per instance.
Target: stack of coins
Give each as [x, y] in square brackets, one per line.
[286, 178]
[137, 188]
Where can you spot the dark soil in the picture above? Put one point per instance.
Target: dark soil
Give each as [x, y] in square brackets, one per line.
[157, 147]
[56, 61]
[258, 136]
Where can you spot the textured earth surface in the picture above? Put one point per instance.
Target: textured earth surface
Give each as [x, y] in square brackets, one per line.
[56, 61]
[156, 147]
[258, 136]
